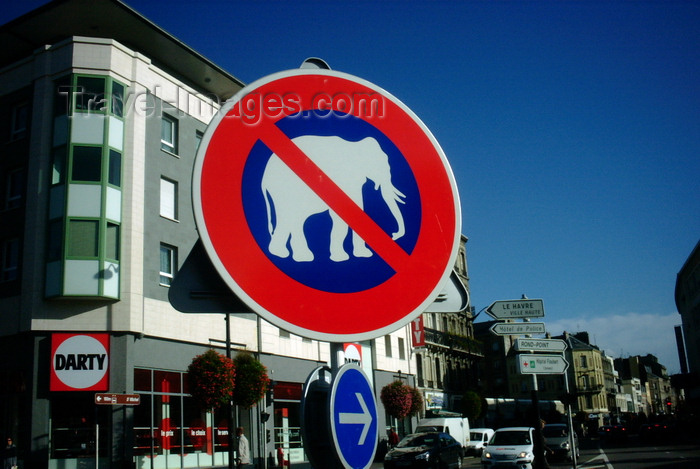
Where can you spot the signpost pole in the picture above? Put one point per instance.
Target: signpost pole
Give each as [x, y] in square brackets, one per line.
[230, 403]
[539, 450]
[572, 436]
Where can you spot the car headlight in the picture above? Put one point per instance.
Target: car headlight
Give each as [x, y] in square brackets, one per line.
[565, 445]
[423, 456]
[487, 455]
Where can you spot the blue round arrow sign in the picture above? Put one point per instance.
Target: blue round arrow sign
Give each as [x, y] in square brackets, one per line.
[353, 412]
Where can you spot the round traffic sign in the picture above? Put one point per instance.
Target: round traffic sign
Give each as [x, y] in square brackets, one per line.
[353, 414]
[326, 205]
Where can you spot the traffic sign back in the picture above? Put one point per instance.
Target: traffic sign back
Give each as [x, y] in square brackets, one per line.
[319, 192]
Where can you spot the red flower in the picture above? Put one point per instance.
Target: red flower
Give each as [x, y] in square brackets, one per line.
[251, 380]
[397, 399]
[212, 378]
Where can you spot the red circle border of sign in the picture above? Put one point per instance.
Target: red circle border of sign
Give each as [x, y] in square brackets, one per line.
[282, 300]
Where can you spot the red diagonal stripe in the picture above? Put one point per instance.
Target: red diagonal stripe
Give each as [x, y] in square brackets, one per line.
[334, 196]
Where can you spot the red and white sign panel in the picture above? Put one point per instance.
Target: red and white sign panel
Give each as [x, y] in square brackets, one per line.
[326, 205]
[417, 332]
[79, 362]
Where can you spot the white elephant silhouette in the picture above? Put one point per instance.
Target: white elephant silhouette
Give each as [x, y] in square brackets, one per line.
[349, 165]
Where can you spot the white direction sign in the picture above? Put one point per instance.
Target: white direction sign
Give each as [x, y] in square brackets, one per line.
[518, 328]
[532, 364]
[539, 345]
[516, 309]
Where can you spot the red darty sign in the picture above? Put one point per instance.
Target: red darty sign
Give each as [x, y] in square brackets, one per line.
[79, 362]
[326, 205]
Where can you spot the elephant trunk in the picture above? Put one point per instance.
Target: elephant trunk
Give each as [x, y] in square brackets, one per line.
[393, 197]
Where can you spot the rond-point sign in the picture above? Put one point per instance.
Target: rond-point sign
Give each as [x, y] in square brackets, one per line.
[321, 199]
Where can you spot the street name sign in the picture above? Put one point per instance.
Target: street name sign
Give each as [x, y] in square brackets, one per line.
[320, 199]
[518, 328]
[539, 345]
[353, 413]
[540, 364]
[117, 399]
[516, 309]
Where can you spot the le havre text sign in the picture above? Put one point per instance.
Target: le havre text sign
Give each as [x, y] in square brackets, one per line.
[516, 309]
[518, 328]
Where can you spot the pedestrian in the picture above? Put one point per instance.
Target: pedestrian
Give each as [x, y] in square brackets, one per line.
[393, 437]
[243, 459]
[545, 449]
[9, 455]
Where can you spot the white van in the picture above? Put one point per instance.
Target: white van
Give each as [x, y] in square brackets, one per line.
[477, 438]
[457, 427]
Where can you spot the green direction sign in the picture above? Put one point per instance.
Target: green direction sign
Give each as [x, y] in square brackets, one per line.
[540, 364]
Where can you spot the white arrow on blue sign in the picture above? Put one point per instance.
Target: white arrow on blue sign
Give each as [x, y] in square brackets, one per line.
[353, 412]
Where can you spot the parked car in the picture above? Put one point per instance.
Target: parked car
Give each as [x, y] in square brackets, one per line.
[478, 438]
[432, 450]
[510, 447]
[557, 437]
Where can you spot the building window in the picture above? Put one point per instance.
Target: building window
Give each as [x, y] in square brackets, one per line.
[58, 165]
[90, 93]
[584, 361]
[112, 244]
[402, 351]
[387, 345]
[82, 238]
[285, 334]
[198, 140]
[87, 164]
[117, 99]
[168, 263]
[10, 260]
[114, 176]
[20, 121]
[168, 134]
[15, 188]
[168, 199]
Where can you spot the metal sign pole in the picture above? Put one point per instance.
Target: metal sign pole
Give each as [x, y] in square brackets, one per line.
[572, 435]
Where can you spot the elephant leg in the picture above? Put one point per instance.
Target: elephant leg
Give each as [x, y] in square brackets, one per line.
[359, 248]
[339, 231]
[278, 243]
[300, 248]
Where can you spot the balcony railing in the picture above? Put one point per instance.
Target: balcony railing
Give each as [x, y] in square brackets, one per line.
[457, 343]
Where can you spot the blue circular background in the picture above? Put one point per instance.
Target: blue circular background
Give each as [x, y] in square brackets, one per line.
[355, 274]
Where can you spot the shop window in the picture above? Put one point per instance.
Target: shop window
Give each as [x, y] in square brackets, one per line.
[73, 420]
[87, 164]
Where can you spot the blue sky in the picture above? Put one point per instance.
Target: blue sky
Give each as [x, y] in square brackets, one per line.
[572, 128]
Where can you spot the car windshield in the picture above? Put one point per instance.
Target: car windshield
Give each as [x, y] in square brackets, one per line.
[554, 431]
[418, 440]
[475, 436]
[511, 437]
